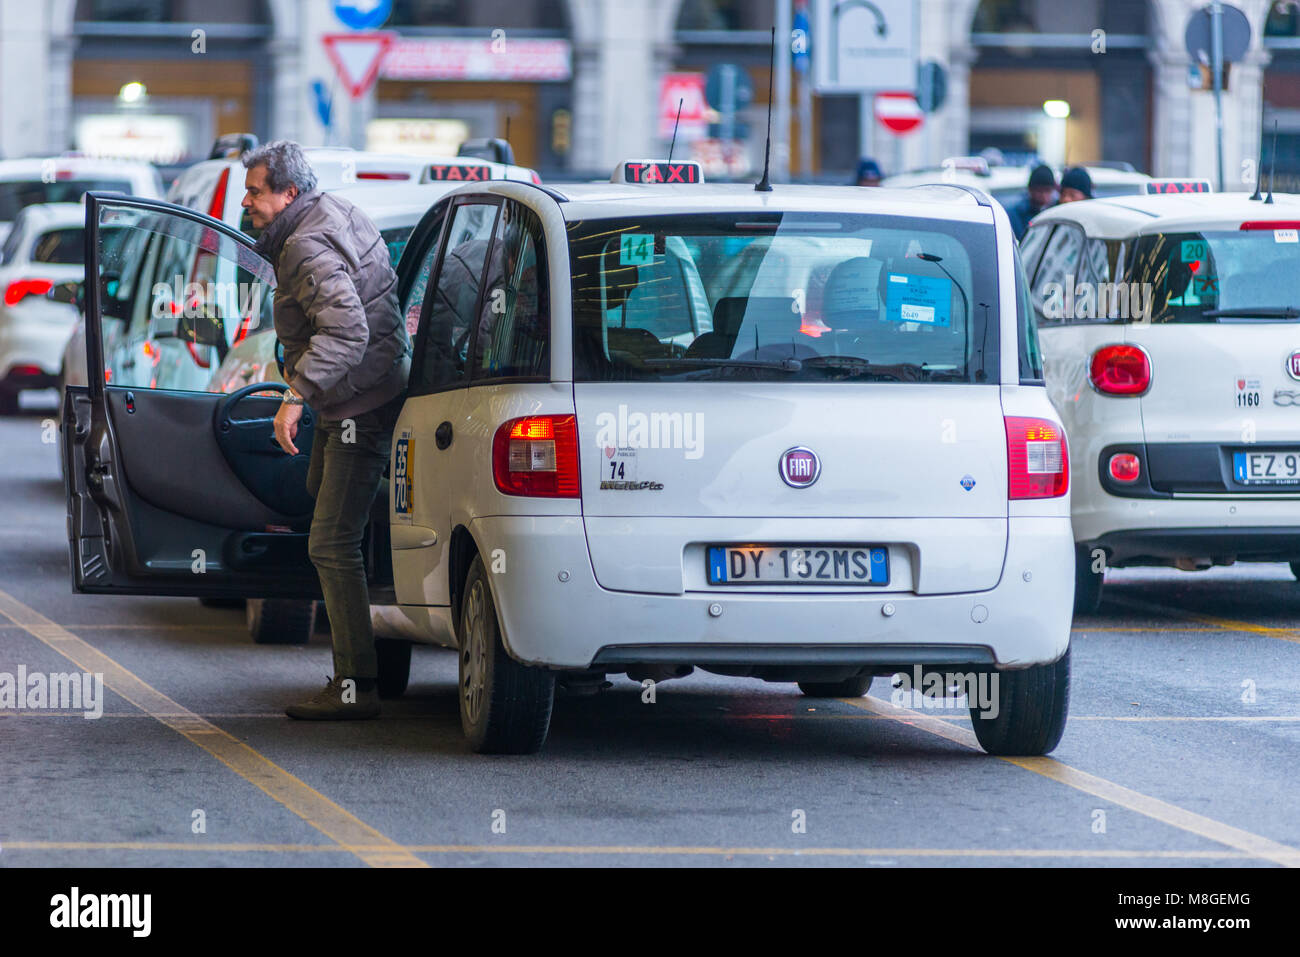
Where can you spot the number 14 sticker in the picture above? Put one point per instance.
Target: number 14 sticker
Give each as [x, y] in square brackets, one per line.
[636, 249]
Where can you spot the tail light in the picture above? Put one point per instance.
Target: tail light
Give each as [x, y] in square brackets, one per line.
[537, 180]
[1038, 462]
[19, 289]
[383, 175]
[1125, 467]
[1120, 370]
[217, 207]
[538, 456]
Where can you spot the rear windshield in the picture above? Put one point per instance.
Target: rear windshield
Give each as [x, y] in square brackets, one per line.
[1229, 276]
[64, 246]
[809, 297]
[17, 194]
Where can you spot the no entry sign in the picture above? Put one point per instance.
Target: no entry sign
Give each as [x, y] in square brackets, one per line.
[898, 112]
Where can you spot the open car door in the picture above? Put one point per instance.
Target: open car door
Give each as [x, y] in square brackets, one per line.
[173, 490]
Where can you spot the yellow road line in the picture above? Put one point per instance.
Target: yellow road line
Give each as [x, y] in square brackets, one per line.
[1166, 813]
[1227, 624]
[631, 849]
[316, 809]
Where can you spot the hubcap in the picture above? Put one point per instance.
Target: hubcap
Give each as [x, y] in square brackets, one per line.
[473, 656]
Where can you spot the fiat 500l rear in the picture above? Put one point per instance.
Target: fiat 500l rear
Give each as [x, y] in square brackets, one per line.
[795, 455]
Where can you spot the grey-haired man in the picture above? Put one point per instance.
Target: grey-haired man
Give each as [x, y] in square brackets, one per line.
[347, 355]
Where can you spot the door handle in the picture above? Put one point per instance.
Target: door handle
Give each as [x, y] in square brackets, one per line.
[442, 437]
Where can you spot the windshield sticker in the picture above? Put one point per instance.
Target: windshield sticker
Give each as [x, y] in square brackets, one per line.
[1205, 285]
[919, 299]
[1286, 236]
[1193, 250]
[636, 249]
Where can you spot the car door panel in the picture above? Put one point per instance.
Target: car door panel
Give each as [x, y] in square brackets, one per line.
[161, 499]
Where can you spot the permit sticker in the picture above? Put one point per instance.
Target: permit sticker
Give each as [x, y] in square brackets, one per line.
[636, 249]
[1286, 236]
[403, 485]
[620, 465]
[926, 299]
[1247, 392]
[1194, 250]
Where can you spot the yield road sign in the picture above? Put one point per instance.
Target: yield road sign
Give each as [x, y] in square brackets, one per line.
[356, 58]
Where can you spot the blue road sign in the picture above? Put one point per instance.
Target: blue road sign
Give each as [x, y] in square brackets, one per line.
[363, 14]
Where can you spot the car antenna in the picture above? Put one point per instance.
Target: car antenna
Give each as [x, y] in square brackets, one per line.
[1272, 162]
[764, 185]
[673, 144]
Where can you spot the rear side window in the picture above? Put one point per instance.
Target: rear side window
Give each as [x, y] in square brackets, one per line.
[514, 323]
[1031, 358]
[15, 195]
[62, 246]
[442, 345]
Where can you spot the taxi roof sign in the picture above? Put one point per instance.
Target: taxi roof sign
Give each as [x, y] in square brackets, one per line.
[658, 171]
[1163, 186]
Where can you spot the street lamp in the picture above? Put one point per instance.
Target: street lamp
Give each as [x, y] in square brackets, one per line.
[132, 92]
[1051, 136]
[1056, 109]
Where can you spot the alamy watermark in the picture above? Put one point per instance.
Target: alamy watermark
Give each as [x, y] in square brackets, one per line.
[1098, 300]
[977, 690]
[75, 691]
[651, 430]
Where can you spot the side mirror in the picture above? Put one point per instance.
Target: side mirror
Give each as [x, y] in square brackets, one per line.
[71, 292]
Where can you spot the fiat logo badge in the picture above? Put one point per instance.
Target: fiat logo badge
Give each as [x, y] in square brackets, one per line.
[1293, 365]
[799, 467]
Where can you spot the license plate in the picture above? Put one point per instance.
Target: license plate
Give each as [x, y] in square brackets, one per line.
[798, 565]
[1266, 468]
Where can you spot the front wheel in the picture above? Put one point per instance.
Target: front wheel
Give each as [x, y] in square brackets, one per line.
[280, 621]
[1088, 579]
[1026, 710]
[505, 706]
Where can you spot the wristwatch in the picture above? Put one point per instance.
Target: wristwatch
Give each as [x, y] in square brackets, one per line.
[291, 398]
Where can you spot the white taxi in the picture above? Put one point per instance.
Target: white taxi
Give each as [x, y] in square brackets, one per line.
[622, 454]
[1170, 330]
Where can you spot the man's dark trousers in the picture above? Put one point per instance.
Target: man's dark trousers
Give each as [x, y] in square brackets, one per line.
[348, 458]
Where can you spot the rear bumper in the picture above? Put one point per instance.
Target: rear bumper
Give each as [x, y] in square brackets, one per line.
[27, 341]
[1139, 546]
[553, 613]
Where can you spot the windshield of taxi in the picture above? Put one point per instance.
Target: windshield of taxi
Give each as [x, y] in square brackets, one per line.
[784, 297]
[1243, 275]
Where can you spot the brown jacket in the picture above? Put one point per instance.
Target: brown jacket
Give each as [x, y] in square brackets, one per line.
[346, 350]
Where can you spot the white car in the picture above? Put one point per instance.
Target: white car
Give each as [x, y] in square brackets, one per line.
[1008, 184]
[45, 247]
[1170, 330]
[63, 179]
[574, 494]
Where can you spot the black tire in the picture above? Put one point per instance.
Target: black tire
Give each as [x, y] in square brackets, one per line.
[394, 657]
[280, 621]
[1295, 570]
[1032, 707]
[848, 688]
[505, 706]
[222, 602]
[9, 402]
[1087, 583]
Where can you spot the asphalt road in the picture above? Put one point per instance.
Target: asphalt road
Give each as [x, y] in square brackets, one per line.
[1181, 748]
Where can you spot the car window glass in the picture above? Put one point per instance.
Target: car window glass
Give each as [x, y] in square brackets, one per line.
[1031, 247]
[1059, 267]
[185, 293]
[514, 321]
[414, 301]
[62, 246]
[18, 194]
[450, 311]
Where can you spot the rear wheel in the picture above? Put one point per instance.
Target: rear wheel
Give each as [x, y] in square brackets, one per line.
[848, 688]
[394, 657]
[1087, 582]
[280, 621]
[505, 707]
[1031, 704]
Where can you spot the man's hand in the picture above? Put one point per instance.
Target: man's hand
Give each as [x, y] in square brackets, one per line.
[286, 426]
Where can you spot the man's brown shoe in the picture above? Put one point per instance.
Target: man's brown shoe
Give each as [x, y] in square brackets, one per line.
[341, 700]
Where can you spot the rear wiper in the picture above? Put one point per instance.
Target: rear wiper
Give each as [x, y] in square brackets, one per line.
[855, 365]
[1264, 312]
[781, 365]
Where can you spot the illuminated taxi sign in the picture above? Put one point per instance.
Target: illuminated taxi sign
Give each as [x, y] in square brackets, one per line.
[1163, 186]
[459, 172]
[658, 171]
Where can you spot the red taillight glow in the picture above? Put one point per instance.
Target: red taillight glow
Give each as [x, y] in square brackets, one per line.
[1272, 224]
[1125, 467]
[1120, 370]
[1038, 461]
[381, 174]
[538, 456]
[218, 204]
[537, 180]
[19, 289]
